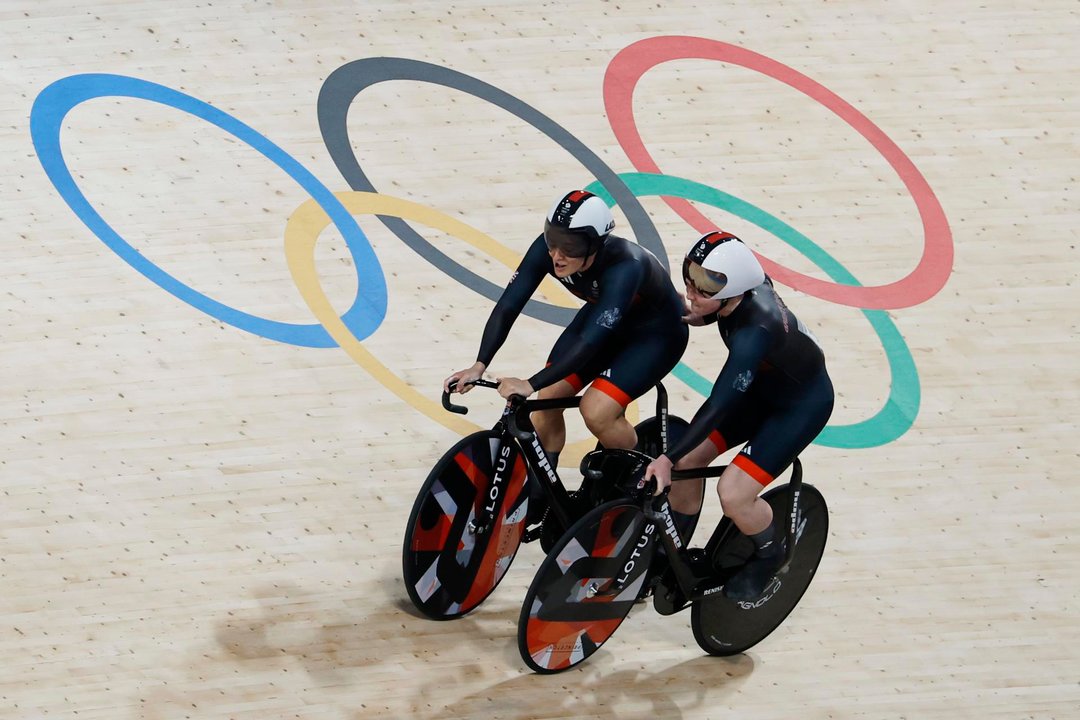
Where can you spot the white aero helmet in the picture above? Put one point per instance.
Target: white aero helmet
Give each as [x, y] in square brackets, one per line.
[720, 266]
[577, 224]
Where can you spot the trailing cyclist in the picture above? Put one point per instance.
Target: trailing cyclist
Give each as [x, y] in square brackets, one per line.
[773, 393]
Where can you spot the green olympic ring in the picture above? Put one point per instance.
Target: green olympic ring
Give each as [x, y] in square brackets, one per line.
[902, 405]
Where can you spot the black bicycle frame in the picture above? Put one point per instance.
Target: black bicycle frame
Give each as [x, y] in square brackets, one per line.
[659, 511]
[519, 426]
[516, 427]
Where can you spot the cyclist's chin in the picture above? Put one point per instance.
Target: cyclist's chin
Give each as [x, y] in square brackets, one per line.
[704, 306]
[566, 269]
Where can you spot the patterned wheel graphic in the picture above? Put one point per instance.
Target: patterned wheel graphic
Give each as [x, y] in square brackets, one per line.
[585, 587]
[448, 568]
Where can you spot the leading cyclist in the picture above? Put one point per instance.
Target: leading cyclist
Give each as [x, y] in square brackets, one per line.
[624, 340]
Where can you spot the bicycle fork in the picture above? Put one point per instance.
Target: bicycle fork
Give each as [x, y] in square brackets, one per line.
[482, 522]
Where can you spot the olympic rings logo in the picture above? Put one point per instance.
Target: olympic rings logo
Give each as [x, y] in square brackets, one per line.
[368, 310]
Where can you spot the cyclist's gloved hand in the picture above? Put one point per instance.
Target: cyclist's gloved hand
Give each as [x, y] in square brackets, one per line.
[660, 468]
[464, 378]
[510, 386]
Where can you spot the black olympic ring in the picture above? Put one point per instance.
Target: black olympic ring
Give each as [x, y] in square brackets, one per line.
[345, 83]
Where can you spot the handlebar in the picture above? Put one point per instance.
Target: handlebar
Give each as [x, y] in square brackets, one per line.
[519, 406]
[461, 409]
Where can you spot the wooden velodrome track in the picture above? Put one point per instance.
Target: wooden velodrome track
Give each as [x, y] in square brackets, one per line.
[202, 514]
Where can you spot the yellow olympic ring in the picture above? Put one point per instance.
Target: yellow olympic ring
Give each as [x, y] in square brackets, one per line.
[302, 233]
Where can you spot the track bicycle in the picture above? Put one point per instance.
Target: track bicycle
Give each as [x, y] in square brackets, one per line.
[595, 573]
[470, 515]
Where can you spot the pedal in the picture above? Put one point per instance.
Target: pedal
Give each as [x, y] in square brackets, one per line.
[668, 597]
[668, 600]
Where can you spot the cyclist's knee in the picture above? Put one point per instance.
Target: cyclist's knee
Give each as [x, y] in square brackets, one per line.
[737, 490]
[607, 421]
[598, 425]
[600, 412]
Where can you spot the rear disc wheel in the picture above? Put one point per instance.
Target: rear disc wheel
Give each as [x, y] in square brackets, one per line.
[727, 627]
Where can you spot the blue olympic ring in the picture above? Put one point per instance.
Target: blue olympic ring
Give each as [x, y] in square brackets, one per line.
[46, 117]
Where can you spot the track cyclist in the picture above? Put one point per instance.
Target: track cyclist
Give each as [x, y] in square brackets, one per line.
[773, 393]
[625, 339]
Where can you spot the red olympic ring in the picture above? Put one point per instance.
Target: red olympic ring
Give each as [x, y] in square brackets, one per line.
[928, 277]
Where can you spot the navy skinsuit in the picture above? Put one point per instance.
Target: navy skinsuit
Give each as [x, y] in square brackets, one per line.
[774, 392]
[630, 329]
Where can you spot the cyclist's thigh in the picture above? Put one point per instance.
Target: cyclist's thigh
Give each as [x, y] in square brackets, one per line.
[740, 424]
[786, 431]
[641, 357]
[587, 373]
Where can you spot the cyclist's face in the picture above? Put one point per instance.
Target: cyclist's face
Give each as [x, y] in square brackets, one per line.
[700, 304]
[569, 251]
[565, 266]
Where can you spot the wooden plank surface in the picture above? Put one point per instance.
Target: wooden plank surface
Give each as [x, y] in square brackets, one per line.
[203, 522]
